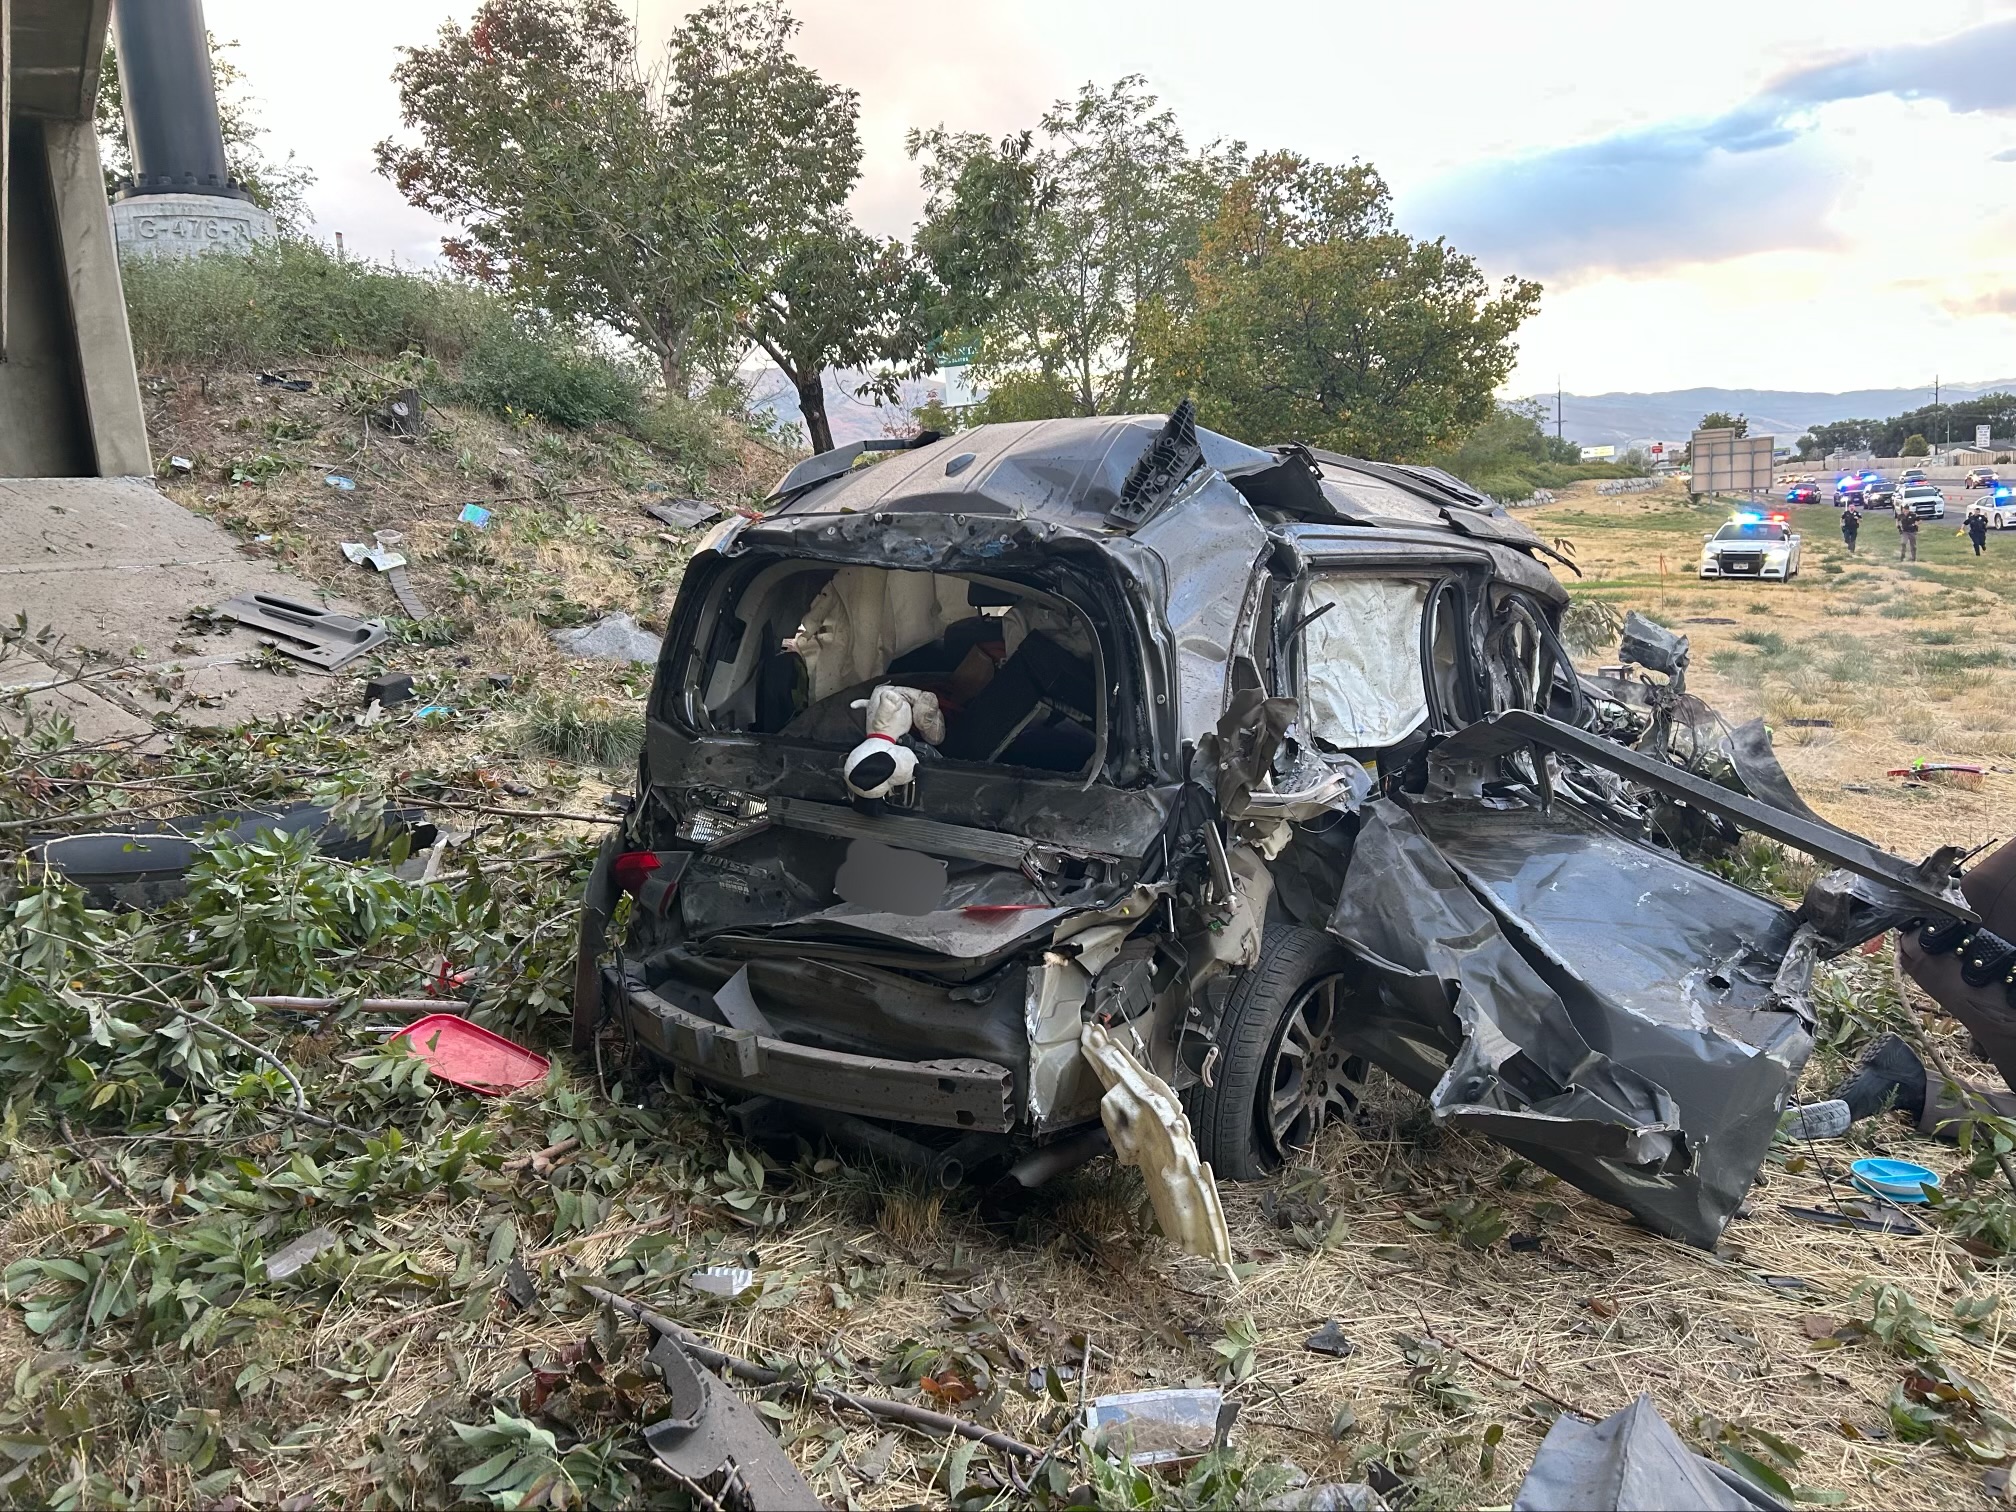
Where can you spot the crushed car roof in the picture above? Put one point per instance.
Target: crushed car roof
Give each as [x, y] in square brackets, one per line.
[1071, 473]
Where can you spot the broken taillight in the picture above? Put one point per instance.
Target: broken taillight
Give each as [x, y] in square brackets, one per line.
[633, 869]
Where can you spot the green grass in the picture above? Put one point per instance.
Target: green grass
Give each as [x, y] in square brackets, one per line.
[294, 299]
[589, 733]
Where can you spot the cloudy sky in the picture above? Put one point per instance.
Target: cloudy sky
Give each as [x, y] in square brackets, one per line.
[1816, 194]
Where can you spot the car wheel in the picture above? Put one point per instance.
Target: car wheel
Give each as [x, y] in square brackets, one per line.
[1280, 1075]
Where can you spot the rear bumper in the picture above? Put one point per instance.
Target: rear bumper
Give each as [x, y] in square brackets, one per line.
[973, 1095]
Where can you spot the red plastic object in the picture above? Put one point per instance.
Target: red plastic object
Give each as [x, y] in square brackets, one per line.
[633, 869]
[470, 1056]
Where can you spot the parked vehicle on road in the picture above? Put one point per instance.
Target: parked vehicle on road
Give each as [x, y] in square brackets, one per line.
[1803, 493]
[2002, 506]
[1752, 545]
[1878, 492]
[1925, 500]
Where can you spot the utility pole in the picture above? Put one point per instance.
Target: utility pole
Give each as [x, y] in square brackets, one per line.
[1557, 406]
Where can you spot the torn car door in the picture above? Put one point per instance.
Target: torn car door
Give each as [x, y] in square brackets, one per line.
[1620, 1016]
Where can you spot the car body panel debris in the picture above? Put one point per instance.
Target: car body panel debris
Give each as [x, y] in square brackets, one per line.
[323, 638]
[972, 759]
[1632, 1461]
[143, 863]
[683, 514]
[1146, 1124]
[614, 637]
[471, 1056]
[714, 1439]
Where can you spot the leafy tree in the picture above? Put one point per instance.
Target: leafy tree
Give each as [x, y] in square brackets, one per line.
[1843, 435]
[697, 207]
[1717, 420]
[1315, 318]
[278, 187]
[1914, 446]
[1058, 252]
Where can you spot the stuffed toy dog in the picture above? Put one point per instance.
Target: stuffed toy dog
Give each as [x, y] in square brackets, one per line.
[882, 761]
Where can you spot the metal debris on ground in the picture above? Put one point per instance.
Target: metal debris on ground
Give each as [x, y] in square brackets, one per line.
[474, 514]
[614, 637]
[143, 863]
[292, 385]
[1330, 1340]
[402, 590]
[340, 482]
[323, 638]
[683, 514]
[712, 1435]
[182, 464]
[1632, 1461]
[518, 1287]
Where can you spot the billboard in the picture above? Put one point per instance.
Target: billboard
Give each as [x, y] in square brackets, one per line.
[1724, 462]
[1981, 435]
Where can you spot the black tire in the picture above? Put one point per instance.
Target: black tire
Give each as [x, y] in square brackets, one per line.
[1230, 1118]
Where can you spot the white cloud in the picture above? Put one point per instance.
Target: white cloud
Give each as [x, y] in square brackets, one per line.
[1426, 94]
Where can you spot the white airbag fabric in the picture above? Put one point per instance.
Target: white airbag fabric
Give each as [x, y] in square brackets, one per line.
[1362, 661]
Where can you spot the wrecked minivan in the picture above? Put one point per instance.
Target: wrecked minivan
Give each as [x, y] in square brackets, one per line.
[1269, 762]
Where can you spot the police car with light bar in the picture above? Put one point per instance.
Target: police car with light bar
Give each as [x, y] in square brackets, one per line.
[1751, 544]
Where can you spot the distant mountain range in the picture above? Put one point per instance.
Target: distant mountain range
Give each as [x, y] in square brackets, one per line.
[1618, 419]
[1591, 419]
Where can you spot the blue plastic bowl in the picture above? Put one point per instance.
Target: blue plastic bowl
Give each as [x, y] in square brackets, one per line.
[1899, 1180]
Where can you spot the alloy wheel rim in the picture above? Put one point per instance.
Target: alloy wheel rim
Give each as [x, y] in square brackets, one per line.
[1311, 1081]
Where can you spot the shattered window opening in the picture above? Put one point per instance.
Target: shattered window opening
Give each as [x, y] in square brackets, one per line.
[1362, 676]
[1017, 670]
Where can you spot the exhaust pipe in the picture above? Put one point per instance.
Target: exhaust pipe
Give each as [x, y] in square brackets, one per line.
[1053, 1160]
[942, 1168]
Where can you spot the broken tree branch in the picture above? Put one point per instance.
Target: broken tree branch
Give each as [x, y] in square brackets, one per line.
[367, 1005]
[748, 1370]
[485, 808]
[1503, 1374]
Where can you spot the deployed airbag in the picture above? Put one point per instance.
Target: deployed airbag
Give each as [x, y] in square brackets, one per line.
[1362, 656]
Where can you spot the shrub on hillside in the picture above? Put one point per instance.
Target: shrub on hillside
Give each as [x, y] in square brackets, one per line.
[534, 367]
[295, 298]
[290, 299]
[1511, 455]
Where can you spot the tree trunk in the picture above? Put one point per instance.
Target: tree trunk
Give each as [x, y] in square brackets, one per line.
[673, 368]
[812, 405]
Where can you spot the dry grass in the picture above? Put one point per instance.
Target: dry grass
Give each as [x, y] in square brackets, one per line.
[1906, 660]
[1597, 1313]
